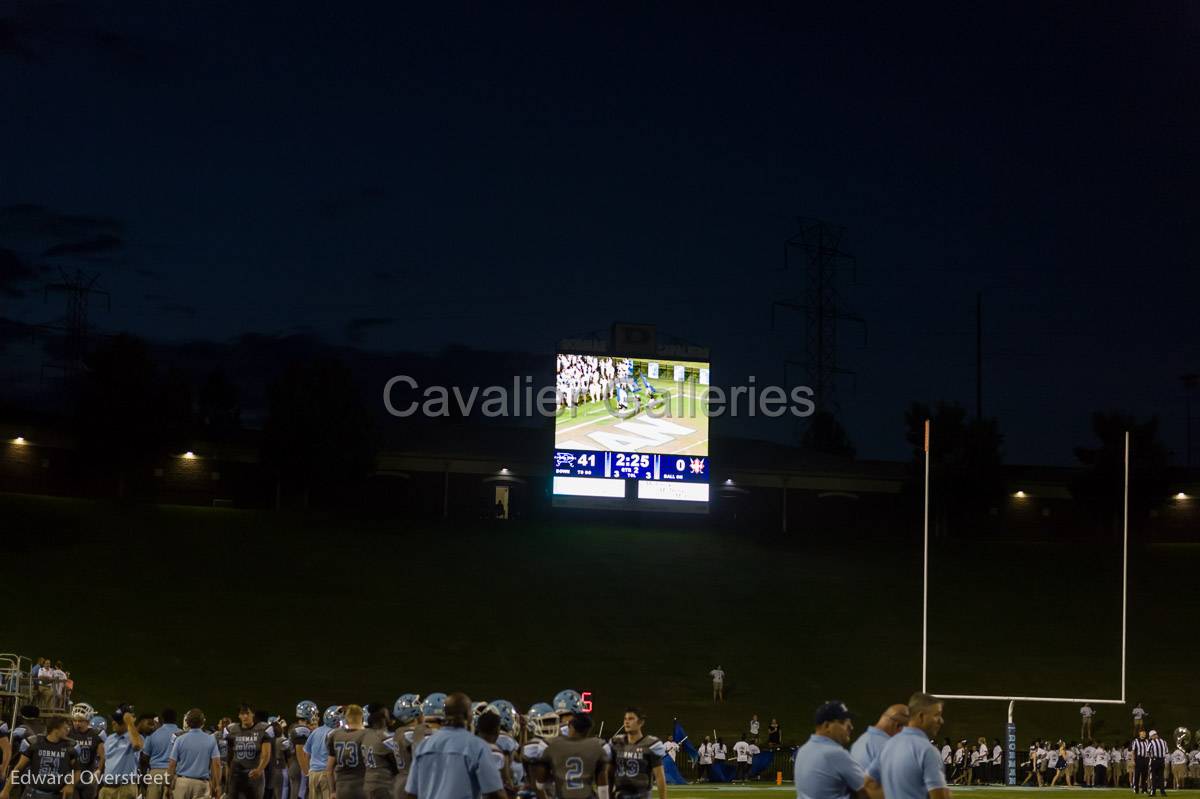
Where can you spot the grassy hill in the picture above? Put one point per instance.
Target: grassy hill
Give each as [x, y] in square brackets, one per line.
[194, 606]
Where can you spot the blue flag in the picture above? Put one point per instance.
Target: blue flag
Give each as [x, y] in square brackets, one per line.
[681, 738]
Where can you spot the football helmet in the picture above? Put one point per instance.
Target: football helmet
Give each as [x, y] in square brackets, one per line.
[100, 723]
[507, 713]
[407, 708]
[307, 710]
[542, 721]
[82, 710]
[434, 706]
[568, 702]
[333, 716]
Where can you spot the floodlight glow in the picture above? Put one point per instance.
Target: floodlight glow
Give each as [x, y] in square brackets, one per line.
[19, 440]
[1181, 495]
[189, 455]
[1020, 495]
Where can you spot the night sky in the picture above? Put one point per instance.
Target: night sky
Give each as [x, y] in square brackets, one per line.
[407, 176]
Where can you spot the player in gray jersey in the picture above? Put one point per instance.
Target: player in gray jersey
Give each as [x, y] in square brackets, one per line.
[249, 752]
[293, 741]
[87, 740]
[577, 763]
[346, 766]
[637, 760]
[379, 758]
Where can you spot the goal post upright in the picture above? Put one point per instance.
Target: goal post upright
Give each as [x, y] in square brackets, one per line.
[1011, 730]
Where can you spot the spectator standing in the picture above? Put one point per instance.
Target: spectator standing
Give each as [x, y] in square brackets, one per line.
[1139, 718]
[774, 735]
[1089, 764]
[720, 753]
[1179, 760]
[1194, 761]
[672, 748]
[1100, 766]
[718, 682]
[947, 754]
[997, 762]
[194, 762]
[119, 757]
[1085, 722]
[158, 749]
[868, 745]
[754, 752]
[754, 728]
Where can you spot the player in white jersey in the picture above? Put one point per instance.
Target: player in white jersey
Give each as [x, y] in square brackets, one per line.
[541, 726]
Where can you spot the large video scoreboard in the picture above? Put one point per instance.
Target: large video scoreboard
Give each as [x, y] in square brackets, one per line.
[631, 431]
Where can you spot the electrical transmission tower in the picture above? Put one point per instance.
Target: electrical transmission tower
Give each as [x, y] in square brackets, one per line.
[78, 288]
[816, 252]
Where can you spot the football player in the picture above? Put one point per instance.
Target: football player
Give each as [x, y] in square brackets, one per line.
[52, 760]
[567, 704]
[345, 768]
[507, 743]
[87, 740]
[577, 762]
[379, 757]
[294, 738]
[249, 754]
[407, 714]
[541, 727]
[487, 727]
[636, 758]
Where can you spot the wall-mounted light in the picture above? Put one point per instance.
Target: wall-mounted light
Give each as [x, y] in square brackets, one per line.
[1020, 495]
[189, 455]
[1181, 495]
[19, 441]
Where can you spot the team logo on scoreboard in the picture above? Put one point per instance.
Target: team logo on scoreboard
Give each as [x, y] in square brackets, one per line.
[564, 459]
[697, 466]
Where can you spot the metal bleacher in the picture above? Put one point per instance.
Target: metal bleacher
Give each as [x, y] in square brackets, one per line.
[16, 686]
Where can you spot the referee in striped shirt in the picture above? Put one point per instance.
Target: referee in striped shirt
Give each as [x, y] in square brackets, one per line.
[1141, 762]
[1158, 760]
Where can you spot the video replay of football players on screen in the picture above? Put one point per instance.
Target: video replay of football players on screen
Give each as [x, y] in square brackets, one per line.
[637, 420]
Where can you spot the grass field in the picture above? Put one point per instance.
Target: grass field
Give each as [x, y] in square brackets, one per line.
[209, 607]
[975, 792]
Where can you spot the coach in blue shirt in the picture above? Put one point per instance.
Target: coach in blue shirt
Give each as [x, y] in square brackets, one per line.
[870, 743]
[908, 767]
[824, 769]
[194, 763]
[118, 757]
[452, 763]
[158, 749]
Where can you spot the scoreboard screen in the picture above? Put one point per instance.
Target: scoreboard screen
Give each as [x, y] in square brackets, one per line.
[631, 429]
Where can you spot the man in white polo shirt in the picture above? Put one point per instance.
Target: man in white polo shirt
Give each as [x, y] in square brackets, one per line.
[908, 767]
[194, 765]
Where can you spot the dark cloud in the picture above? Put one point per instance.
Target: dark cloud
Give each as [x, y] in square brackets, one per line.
[178, 307]
[143, 272]
[357, 329]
